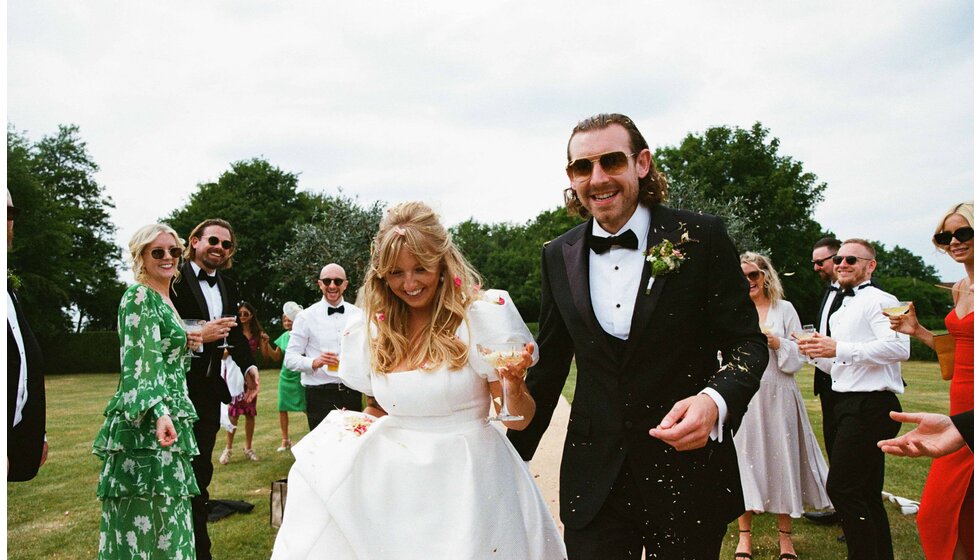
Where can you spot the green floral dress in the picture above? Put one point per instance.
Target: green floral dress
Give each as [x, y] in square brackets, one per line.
[145, 488]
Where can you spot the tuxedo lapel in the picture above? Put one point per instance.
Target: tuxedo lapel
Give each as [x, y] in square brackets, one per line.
[227, 306]
[576, 257]
[187, 275]
[663, 225]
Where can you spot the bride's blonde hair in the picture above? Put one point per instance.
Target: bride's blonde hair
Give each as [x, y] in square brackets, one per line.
[415, 227]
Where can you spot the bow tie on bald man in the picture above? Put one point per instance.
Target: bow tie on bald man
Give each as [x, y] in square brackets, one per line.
[205, 277]
[626, 240]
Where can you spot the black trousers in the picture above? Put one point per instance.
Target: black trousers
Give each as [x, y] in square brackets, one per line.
[206, 432]
[321, 399]
[827, 400]
[622, 531]
[857, 471]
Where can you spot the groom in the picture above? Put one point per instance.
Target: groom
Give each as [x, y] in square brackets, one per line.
[648, 458]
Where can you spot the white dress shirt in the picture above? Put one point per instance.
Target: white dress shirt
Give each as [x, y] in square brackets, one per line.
[22, 374]
[869, 352]
[825, 311]
[614, 281]
[316, 331]
[212, 294]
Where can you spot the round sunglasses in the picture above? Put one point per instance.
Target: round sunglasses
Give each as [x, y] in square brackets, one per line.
[159, 253]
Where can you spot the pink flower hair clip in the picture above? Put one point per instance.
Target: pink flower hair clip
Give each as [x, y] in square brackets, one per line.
[399, 230]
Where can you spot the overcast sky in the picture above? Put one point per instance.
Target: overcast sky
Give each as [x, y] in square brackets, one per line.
[469, 105]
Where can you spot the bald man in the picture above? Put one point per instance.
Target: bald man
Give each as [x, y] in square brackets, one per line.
[314, 347]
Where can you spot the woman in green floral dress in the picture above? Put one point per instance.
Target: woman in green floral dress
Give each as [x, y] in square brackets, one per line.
[146, 442]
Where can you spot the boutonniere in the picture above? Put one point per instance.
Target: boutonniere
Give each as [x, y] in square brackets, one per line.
[666, 257]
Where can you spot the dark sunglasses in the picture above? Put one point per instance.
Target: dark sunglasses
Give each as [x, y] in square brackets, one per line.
[159, 253]
[12, 213]
[336, 281]
[613, 163]
[754, 275]
[819, 262]
[850, 259]
[226, 245]
[962, 235]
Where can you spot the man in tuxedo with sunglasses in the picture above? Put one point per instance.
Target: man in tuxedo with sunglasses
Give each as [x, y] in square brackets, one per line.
[863, 357]
[27, 446]
[314, 347]
[648, 460]
[204, 292]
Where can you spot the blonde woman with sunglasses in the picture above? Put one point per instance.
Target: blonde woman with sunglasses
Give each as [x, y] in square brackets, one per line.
[945, 517]
[147, 440]
[779, 461]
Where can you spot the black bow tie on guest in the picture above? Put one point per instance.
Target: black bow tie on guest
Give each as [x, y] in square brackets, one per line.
[205, 277]
[626, 240]
[332, 310]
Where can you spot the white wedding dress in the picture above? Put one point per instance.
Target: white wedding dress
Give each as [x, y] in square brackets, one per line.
[432, 480]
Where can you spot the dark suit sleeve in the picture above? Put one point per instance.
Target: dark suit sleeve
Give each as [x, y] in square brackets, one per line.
[735, 327]
[25, 441]
[547, 378]
[964, 423]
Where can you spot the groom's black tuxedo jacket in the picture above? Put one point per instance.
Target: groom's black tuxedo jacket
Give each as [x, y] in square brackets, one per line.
[675, 335]
[205, 385]
[25, 441]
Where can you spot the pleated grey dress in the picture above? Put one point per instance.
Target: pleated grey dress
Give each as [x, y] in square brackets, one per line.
[782, 467]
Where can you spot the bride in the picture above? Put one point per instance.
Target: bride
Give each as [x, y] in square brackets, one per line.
[423, 474]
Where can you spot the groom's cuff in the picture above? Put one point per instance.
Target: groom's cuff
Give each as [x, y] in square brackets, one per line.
[717, 432]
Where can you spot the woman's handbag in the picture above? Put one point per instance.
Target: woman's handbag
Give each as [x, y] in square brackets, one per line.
[277, 502]
[946, 352]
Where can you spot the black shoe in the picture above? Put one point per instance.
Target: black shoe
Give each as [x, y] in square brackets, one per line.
[822, 517]
[841, 539]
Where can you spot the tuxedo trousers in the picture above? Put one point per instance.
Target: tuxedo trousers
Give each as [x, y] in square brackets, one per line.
[857, 471]
[206, 432]
[622, 530]
[322, 399]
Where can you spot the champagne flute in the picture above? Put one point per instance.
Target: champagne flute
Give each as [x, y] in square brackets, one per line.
[193, 326]
[896, 310]
[224, 343]
[499, 355]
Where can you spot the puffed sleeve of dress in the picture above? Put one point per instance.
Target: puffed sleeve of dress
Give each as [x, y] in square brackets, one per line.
[490, 319]
[355, 356]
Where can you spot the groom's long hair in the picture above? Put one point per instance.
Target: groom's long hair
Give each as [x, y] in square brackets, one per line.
[653, 185]
[415, 227]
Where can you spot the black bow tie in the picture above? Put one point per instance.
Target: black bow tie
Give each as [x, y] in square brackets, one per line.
[626, 240]
[205, 277]
[849, 292]
[332, 310]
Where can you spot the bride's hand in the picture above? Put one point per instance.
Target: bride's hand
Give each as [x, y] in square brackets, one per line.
[514, 375]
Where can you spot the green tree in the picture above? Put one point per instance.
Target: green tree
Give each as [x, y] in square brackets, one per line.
[902, 263]
[340, 230]
[262, 204]
[64, 255]
[767, 198]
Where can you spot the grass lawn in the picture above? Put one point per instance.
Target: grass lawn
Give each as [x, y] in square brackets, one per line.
[57, 515]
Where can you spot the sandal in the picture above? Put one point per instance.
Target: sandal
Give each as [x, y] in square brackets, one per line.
[787, 555]
[286, 445]
[250, 455]
[225, 456]
[744, 554]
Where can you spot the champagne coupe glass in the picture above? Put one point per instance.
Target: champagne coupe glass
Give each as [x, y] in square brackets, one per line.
[896, 310]
[498, 355]
[765, 327]
[224, 344]
[193, 326]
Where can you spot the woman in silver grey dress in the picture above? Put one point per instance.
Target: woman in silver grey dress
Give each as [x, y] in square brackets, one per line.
[780, 462]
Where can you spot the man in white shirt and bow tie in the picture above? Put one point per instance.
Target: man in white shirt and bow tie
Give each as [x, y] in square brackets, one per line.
[314, 347]
[862, 355]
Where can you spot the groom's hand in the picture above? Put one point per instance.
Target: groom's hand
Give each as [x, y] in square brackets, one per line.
[688, 424]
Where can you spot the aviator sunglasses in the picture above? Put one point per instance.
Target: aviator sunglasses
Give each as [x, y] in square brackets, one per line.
[336, 281]
[159, 253]
[849, 259]
[612, 163]
[962, 235]
[754, 275]
[226, 245]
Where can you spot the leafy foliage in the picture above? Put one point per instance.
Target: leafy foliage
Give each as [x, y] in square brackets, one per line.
[63, 255]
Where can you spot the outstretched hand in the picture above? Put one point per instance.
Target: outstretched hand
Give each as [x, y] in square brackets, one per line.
[688, 424]
[935, 436]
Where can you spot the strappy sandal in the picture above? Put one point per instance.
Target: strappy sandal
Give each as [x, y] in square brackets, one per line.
[743, 554]
[787, 555]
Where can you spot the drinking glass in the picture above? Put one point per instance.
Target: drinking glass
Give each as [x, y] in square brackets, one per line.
[224, 343]
[896, 310]
[499, 355]
[806, 332]
[193, 326]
